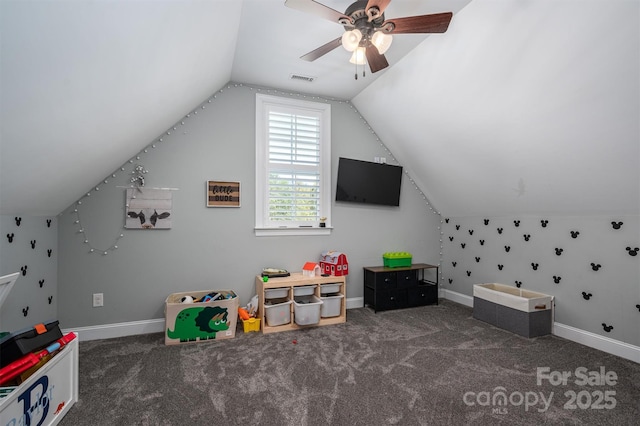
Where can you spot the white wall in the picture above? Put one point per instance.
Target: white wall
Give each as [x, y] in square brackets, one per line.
[215, 248]
[580, 240]
[34, 296]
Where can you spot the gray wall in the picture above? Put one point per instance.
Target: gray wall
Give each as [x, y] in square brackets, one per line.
[613, 287]
[35, 292]
[215, 248]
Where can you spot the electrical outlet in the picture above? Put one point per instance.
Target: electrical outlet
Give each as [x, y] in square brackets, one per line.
[98, 300]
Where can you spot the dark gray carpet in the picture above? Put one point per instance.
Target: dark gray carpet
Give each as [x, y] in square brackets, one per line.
[434, 365]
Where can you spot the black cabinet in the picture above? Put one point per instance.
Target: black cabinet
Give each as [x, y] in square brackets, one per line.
[403, 287]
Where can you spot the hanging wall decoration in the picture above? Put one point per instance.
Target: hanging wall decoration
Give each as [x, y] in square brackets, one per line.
[223, 194]
[148, 208]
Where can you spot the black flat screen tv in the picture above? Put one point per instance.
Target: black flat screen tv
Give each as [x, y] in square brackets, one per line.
[368, 183]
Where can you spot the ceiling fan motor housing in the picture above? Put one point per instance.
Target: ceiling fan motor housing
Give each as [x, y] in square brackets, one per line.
[358, 14]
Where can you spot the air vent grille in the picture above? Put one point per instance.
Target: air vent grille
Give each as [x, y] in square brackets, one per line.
[306, 78]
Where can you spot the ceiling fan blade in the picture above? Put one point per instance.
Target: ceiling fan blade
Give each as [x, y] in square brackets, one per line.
[381, 5]
[322, 50]
[376, 61]
[436, 23]
[318, 9]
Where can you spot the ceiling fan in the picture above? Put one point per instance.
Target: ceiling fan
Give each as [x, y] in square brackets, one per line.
[367, 33]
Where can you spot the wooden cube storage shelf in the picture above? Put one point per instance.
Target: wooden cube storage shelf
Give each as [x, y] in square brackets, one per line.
[291, 282]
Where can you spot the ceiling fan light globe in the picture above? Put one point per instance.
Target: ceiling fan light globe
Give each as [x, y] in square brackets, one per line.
[351, 39]
[359, 56]
[381, 41]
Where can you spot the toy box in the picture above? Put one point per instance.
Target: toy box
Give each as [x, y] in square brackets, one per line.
[200, 321]
[46, 396]
[524, 312]
[397, 259]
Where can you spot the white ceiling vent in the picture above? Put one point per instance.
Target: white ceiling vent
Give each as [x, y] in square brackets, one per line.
[302, 78]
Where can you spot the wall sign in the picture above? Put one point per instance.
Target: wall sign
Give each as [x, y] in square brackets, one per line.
[148, 209]
[223, 194]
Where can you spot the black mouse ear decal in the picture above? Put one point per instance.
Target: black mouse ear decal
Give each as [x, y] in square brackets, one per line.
[48, 223]
[518, 284]
[25, 311]
[616, 225]
[486, 221]
[18, 220]
[574, 234]
[606, 327]
[10, 237]
[632, 251]
[544, 223]
[556, 279]
[586, 295]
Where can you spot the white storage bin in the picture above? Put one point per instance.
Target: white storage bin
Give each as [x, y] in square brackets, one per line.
[330, 288]
[331, 305]
[278, 313]
[304, 290]
[306, 310]
[276, 293]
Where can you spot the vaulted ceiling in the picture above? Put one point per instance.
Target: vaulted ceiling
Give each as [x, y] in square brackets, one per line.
[527, 107]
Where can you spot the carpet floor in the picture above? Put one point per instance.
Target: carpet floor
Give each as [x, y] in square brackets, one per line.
[433, 365]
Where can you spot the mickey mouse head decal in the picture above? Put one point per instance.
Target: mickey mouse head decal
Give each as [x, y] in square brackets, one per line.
[574, 234]
[518, 284]
[595, 266]
[632, 252]
[544, 223]
[606, 327]
[559, 251]
[586, 296]
[556, 279]
[616, 225]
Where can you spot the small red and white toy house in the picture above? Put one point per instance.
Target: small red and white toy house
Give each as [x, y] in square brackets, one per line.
[334, 263]
[310, 269]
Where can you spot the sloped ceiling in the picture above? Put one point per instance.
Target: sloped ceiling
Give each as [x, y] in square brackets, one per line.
[521, 107]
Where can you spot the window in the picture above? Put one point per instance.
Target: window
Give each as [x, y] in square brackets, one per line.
[293, 166]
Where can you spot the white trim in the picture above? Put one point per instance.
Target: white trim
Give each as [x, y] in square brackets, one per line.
[271, 232]
[605, 344]
[355, 302]
[592, 340]
[121, 329]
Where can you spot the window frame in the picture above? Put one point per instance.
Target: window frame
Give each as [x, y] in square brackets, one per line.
[263, 105]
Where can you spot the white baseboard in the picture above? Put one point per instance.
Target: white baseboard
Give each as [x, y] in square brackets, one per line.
[121, 329]
[602, 343]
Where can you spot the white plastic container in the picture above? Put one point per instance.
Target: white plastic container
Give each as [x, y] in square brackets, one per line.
[278, 314]
[306, 310]
[331, 305]
[305, 290]
[330, 288]
[276, 293]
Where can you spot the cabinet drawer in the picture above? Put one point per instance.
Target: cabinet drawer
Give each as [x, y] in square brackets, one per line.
[385, 280]
[391, 299]
[423, 294]
[406, 279]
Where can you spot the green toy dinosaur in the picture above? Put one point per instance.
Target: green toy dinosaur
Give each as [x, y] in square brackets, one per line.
[199, 323]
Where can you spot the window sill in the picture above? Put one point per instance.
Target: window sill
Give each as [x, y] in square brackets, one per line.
[285, 231]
